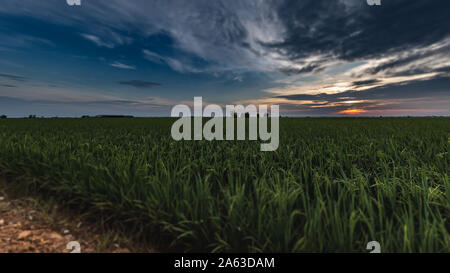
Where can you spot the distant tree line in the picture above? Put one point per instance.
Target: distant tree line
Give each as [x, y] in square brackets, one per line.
[108, 116]
[247, 115]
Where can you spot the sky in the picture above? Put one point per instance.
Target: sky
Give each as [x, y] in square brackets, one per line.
[142, 57]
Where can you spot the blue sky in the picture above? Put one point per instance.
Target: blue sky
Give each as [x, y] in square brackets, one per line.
[137, 57]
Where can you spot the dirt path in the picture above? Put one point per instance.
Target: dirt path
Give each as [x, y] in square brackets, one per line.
[26, 228]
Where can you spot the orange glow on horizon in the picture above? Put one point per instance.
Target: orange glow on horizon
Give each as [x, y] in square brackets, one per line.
[353, 111]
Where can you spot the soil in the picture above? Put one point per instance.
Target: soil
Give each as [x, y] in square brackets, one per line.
[26, 228]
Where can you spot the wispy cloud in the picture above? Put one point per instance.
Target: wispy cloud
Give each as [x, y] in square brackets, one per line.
[8, 85]
[140, 84]
[122, 66]
[13, 77]
[13, 41]
[96, 40]
[174, 64]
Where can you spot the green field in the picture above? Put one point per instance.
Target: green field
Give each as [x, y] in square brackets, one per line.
[332, 186]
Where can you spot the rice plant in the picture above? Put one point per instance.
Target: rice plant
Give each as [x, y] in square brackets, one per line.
[332, 186]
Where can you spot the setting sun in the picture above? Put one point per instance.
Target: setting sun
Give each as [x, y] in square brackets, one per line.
[353, 111]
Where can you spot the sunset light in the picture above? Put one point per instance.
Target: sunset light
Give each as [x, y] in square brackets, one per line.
[353, 111]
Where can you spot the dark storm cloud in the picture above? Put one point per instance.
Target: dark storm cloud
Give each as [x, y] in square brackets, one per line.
[367, 82]
[414, 62]
[313, 67]
[352, 30]
[13, 77]
[8, 85]
[261, 35]
[140, 84]
[414, 89]
[436, 87]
